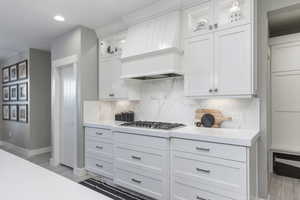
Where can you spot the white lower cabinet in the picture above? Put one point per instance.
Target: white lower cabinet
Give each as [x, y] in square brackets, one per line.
[99, 151]
[172, 168]
[206, 171]
[142, 164]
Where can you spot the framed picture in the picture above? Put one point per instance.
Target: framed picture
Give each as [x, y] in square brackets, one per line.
[13, 112]
[13, 73]
[13, 93]
[23, 92]
[5, 93]
[5, 75]
[23, 113]
[5, 112]
[23, 70]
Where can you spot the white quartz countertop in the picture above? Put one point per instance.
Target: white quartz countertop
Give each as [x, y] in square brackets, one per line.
[22, 180]
[240, 137]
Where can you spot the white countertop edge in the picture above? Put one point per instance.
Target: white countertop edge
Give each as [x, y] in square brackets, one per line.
[181, 133]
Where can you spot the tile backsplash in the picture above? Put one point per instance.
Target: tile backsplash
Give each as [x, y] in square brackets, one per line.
[163, 100]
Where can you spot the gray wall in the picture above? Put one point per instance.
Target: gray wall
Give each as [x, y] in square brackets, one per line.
[20, 132]
[36, 133]
[40, 99]
[82, 42]
[266, 6]
[67, 44]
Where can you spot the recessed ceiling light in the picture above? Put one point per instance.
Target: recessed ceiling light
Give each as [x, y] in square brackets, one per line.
[59, 18]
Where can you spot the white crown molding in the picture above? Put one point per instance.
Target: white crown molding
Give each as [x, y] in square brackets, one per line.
[152, 11]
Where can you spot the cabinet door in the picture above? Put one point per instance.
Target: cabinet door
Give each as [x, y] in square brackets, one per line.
[198, 62]
[119, 89]
[229, 13]
[198, 20]
[233, 66]
[105, 78]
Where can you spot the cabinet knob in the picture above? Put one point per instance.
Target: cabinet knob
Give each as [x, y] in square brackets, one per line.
[210, 90]
[216, 25]
[210, 27]
[111, 95]
[216, 90]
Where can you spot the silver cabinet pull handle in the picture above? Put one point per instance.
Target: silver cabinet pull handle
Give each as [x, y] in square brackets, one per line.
[203, 170]
[200, 198]
[136, 157]
[99, 147]
[136, 181]
[202, 149]
[99, 166]
[216, 25]
[97, 133]
[210, 27]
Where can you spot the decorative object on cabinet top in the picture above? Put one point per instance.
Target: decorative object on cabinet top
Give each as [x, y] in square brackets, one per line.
[210, 118]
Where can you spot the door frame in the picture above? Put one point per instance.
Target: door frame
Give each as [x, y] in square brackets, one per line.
[55, 107]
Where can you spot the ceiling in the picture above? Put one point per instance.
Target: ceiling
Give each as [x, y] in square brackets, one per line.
[284, 21]
[29, 23]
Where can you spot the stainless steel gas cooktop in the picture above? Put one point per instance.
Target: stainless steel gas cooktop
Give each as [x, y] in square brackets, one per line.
[153, 125]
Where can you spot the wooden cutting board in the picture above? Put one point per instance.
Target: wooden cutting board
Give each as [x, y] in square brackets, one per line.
[219, 117]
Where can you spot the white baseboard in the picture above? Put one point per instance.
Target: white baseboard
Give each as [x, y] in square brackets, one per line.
[35, 152]
[79, 172]
[26, 152]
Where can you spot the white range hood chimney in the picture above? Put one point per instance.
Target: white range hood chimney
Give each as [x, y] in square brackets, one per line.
[152, 49]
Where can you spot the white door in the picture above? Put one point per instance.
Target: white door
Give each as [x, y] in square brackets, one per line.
[68, 115]
[198, 62]
[285, 69]
[233, 66]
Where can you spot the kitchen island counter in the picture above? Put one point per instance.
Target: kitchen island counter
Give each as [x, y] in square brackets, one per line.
[22, 180]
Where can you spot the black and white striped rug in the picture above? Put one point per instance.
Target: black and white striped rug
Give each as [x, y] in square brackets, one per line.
[109, 191]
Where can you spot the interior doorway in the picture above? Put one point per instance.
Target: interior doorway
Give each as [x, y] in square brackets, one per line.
[67, 115]
[64, 114]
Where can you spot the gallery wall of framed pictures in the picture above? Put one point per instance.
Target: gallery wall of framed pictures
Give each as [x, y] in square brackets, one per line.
[15, 92]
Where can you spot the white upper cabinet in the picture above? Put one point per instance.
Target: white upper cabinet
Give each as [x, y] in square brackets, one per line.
[199, 19]
[228, 13]
[111, 86]
[198, 62]
[221, 61]
[233, 66]
[214, 15]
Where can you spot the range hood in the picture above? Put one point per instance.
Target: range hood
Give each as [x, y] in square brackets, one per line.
[152, 49]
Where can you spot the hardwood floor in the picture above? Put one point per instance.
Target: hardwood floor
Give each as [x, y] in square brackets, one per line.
[284, 188]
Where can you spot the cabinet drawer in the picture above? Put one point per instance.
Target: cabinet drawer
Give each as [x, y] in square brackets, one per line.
[183, 192]
[149, 158]
[145, 185]
[99, 133]
[99, 166]
[216, 175]
[223, 151]
[99, 147]
[140, 140]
